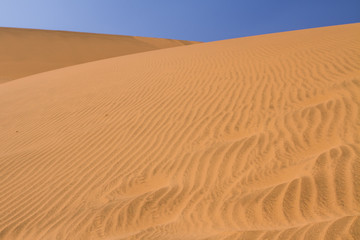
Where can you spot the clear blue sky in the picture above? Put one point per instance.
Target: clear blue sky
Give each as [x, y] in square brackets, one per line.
[201, 20]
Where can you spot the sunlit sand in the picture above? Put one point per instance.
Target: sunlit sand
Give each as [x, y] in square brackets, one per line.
[249, 138]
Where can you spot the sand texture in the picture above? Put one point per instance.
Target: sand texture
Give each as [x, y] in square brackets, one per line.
[249, 138]
[24, 52]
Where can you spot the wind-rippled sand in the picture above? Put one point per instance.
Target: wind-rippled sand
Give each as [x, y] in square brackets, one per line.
[249, 138]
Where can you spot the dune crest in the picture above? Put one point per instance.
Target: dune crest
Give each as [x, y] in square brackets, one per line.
[249, 138]
[24, 52]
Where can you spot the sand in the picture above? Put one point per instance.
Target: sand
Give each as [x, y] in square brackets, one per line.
[249, 138]
[24, 52]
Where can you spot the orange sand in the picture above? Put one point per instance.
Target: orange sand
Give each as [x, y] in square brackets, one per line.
[249, 138]
[25, 52]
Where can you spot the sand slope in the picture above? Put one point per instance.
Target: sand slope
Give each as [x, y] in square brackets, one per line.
[25, 52]
[250, 138]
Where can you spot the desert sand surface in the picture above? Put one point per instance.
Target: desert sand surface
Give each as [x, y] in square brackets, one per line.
[249, 138]
[24, 52]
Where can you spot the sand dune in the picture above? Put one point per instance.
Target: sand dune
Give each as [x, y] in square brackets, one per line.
[249, 138]
[24, 52]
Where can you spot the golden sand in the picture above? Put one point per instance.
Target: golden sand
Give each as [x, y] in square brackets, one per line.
[249, 138]
[24, 52]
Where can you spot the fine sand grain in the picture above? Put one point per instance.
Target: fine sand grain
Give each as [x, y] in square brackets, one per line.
[24, 52]
[250, 138]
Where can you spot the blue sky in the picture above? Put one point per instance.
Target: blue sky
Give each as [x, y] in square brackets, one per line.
[200, 20]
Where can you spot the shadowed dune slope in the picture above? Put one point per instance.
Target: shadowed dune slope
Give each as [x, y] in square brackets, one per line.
[250, 138]
[24, 52]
